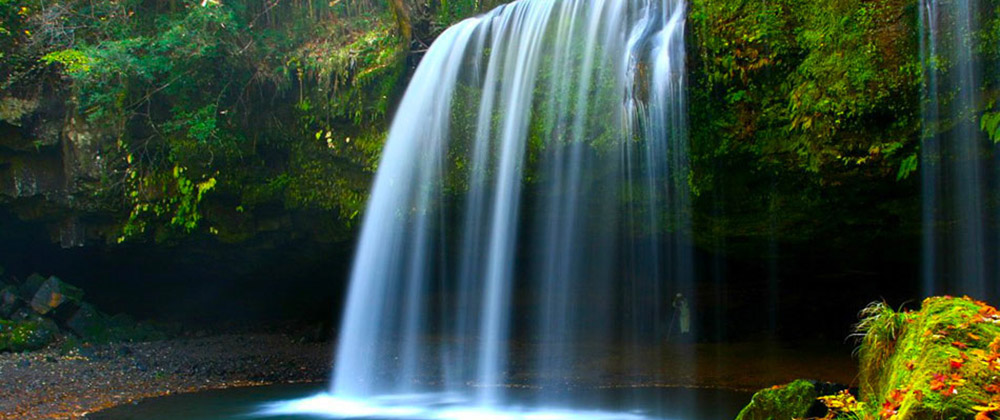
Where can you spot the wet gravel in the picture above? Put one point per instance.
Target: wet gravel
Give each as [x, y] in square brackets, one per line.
[67, 384]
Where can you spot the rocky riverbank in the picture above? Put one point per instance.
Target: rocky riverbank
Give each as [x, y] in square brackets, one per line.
[57, 383]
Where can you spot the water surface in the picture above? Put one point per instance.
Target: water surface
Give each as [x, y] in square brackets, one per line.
[611, 404]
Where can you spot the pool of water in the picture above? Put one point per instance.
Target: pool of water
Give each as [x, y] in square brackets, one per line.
[308, 402]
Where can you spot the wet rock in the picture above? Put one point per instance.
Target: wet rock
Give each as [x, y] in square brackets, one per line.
[52, 294]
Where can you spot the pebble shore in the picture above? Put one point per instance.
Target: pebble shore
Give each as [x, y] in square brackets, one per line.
[58, 384]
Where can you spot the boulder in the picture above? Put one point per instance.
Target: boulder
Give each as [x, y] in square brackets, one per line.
[10, 302]
[940, 362]
[30, 286]
[23, 313]
[783, 402]
[19, 336]
[52, 294]
[62, 313]
[87, 322]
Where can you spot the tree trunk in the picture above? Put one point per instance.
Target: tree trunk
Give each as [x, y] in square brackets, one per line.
[402, 22]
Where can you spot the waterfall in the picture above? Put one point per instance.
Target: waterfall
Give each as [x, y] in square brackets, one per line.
[535, 171]
[959, 257]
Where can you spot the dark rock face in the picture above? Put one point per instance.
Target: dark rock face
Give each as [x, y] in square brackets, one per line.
[50, 167]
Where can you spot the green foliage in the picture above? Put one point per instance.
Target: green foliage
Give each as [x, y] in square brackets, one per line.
[907, 167]
[185, 97]
[448, 12]
[990, 123]
[329, 184]
[173, 200]
[815, 102]
[810, 82]
[12, 110]
[356, 77]
[75, 62]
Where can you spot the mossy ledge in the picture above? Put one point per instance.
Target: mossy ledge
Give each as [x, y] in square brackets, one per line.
[941, 362]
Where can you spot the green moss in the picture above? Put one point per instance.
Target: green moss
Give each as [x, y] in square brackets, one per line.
[781, 402]
[19, 336]
[938, 363]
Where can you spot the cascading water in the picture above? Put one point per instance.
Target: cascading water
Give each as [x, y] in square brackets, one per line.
[537, 159]
[959, 256]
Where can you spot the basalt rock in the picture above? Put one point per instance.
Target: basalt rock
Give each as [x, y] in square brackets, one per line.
[30, 286]
[54, 293]
[87, 321]
[10, 302]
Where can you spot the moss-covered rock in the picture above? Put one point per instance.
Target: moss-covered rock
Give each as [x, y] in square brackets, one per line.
[941, 362]
[24, 335]
[781, 402]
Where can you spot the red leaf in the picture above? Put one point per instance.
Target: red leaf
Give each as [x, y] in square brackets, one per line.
[950, 391]
[937, 382]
